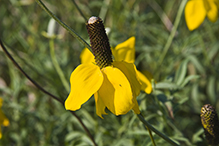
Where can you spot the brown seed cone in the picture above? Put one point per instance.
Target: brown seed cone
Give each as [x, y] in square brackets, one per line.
[99, 42]
[210, 123]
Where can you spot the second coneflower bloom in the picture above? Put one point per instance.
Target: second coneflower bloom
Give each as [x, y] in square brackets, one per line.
[3, 119]
[114, 84]
[197, 10]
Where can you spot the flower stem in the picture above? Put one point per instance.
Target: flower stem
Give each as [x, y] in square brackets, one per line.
[172, 34]
[27, 76]
[151, 136]
[79, 10]
[44, 91]
[56, 65]
[156, 131]
[103, 10]
[70, 30]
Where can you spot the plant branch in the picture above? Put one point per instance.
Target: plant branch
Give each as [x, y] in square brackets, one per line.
[44, 91]
[56, 65]
[27, 76]
[151, 136]
[147, 124]
[70, 30]
[172, 34]
[79, 10]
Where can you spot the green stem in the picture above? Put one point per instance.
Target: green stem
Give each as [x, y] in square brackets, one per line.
[56, 65]
[172, 34]
[151, 136]
[205, 53]
[104, 9]
[44, 91]
[156, 131]
[164, 18]
[79, 10]
[70, 30]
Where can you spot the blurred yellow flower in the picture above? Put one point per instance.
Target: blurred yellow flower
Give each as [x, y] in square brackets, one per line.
[197, 10]
[3, 120]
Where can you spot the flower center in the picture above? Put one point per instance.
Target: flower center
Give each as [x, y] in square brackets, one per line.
[99, 42]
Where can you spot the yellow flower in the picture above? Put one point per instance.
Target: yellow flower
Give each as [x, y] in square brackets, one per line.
[3, 120]
[114, 87]
[124, 55]
[123, 52]
[114, 84]
[197, 10]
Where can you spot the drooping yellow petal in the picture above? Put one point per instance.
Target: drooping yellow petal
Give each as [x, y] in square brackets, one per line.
[100, 106]
[217, 3]
[195, 13]
[0, 132]
[130, 71]
[1, 102]
[212, 11]
[125, 51]
[85, 80]
[86, 56]
[136, 107]
[145, 82]
[116, 92]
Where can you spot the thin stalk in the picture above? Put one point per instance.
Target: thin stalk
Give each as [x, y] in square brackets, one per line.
[70, 30]
[46, 92]
[27, 76]
[151, 136]
[172, 34]
[56, 65]
[156, 131]
[205, 53]
[104, 9]
[164, 18]
[79, 10]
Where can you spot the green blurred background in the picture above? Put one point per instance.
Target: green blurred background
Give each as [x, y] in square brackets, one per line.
[186, 80]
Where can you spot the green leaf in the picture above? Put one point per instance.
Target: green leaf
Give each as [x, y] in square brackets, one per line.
[197, 64]
[189, 78]
[166, 85]
[211, 89]
[197, 136]
[72, 135]
[181, 72]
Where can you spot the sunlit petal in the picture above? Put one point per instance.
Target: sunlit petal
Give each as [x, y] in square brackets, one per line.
[212, 12]
[86, 56]
[100, 107]
[145, 82]
[195, 13]
[116, 91]
[129, 70]
[125, 51]
[85, 80]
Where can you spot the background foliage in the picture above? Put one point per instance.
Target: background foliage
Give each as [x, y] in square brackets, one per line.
[186, 80]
